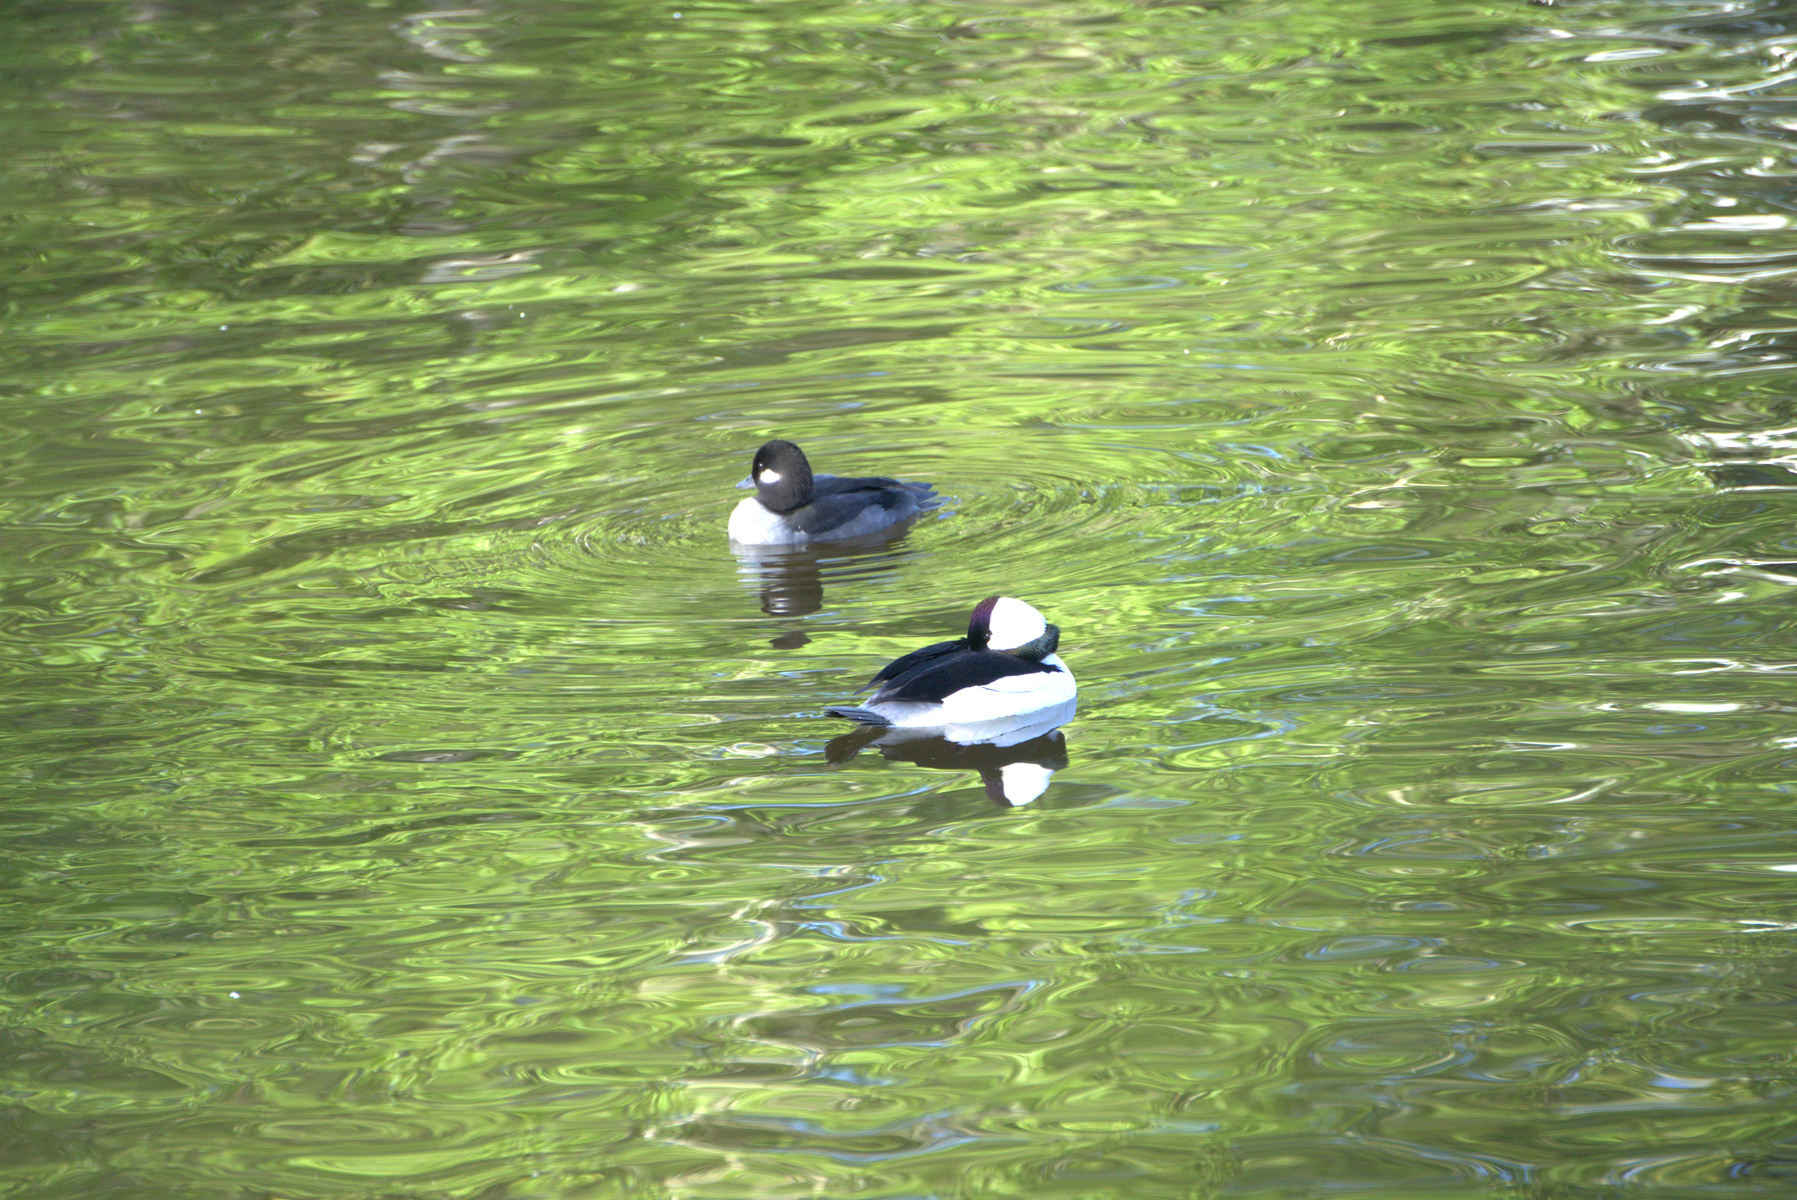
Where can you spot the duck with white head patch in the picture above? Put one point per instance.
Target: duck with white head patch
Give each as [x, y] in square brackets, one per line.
[791, 506]
[1005, 668]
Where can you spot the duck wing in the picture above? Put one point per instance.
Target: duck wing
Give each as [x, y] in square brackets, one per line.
[947, 674]
[907, 663]
[836, 500]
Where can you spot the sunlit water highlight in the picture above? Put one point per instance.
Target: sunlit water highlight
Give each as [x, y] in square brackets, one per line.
[408, 792]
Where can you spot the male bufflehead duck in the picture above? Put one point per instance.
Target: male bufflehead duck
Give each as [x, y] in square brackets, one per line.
[791, 506]
[1004, 668]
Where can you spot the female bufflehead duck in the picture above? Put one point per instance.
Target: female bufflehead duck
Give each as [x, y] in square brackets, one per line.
[792, 506]
[1005, 667]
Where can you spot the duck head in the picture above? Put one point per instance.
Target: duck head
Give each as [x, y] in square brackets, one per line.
[781, 476]
[1007, 624]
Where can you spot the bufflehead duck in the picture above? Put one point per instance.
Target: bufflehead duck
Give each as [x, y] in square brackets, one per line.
[1004, 668]
[792, 506]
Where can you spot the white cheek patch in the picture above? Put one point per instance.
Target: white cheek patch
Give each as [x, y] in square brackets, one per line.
[1013, 624]
[767, 476]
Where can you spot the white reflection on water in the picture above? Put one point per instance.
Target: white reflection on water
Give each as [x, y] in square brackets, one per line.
[1016, 758]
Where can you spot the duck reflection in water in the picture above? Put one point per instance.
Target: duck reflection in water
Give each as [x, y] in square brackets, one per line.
[1015, 766]
[791, 579]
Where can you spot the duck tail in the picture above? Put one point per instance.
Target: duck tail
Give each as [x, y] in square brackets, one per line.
[861, 716]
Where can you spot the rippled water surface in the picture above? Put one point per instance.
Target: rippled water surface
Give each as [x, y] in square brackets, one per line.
[408, 794]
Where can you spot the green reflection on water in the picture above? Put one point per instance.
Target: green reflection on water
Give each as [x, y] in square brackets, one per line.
[408, 793]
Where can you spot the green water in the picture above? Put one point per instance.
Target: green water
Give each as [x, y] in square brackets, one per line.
[407, 794]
